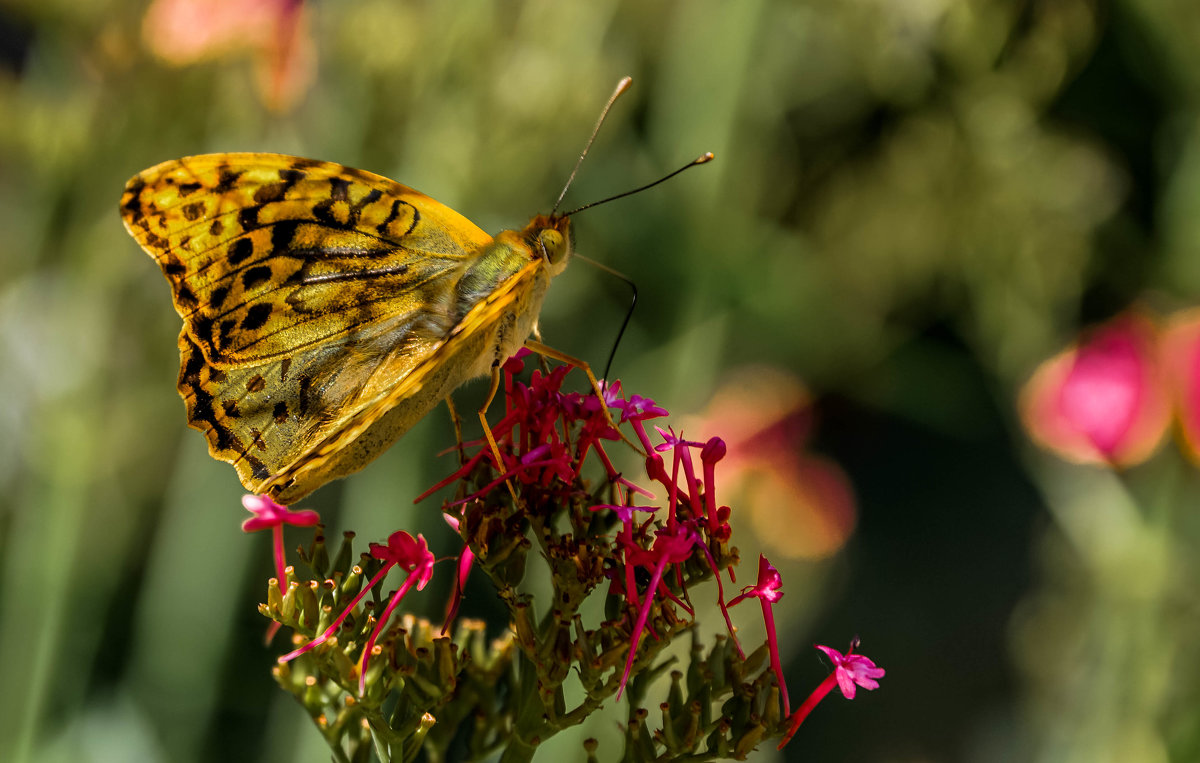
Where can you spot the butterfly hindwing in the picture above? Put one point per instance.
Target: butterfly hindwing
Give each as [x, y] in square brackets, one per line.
[488, 334]
[262, 418]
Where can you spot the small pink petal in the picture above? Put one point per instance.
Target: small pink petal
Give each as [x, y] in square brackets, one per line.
[267, 514]
[846, 684]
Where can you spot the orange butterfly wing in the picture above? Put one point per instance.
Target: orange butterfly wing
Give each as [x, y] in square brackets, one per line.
[493, 329]
[307, 290]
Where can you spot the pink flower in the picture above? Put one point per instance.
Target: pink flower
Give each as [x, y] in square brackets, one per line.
[466, 559]
[543, 440]
[273, 516]
[766, 590]
[853, 670]
[669, 548]
[409, 554]
[717, 526]
[636, 410]
[1102, 401]
[849, 671]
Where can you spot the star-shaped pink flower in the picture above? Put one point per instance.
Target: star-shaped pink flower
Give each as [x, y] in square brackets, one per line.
[766, 590]
[273, 516]
[849, 672]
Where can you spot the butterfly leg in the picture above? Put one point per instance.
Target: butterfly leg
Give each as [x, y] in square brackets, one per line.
[462, 454]
[537, 339]
[549, 352]
[487, 430]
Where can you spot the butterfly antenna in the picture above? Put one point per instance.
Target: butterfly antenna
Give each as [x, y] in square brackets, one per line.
[702, 159]
[622, 86]
[628, 313]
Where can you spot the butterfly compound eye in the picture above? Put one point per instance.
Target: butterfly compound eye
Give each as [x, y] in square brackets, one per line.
[553, 244]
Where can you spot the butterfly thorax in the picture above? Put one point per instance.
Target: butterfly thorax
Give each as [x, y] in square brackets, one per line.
[545, 240]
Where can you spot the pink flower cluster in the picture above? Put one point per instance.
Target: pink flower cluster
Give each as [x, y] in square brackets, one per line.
[1110, 398]
[544, 439]
[539, 448]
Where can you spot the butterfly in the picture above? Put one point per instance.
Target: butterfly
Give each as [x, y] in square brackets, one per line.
[327, 309]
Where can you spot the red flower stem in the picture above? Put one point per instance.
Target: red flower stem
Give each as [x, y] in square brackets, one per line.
[516, 470]
[461, 472]
[673, 488]
[631, 585]
[662, 587]
[773, 646]
[604, 459]
[695, 508]
[280, 561]
[813, 700]
[387, 613]
[641, 619]
[710, 494]
[641, 433]
[465, 559]
[712, 563]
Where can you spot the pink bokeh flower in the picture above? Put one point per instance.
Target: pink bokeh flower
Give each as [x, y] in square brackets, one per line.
[1103, 400]
[765, 416]
[274, 32]
[1180, 355]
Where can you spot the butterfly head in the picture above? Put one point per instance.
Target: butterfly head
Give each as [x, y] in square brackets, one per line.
[550, 238]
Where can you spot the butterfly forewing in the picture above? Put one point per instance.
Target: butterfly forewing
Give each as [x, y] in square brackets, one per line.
[267, 254]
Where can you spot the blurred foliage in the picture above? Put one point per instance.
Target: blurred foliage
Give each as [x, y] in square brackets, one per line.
[914, 201]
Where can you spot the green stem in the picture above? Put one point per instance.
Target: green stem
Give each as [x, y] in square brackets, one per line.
[517, 751]
[339, 754]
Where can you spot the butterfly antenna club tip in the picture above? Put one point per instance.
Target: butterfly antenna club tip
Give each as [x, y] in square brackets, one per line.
[704, 158]
[622, 86]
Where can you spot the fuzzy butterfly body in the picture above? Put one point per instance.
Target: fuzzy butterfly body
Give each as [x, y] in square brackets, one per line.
[327, 309]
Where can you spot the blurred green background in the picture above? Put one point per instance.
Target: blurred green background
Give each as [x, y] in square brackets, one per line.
[913, 203]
